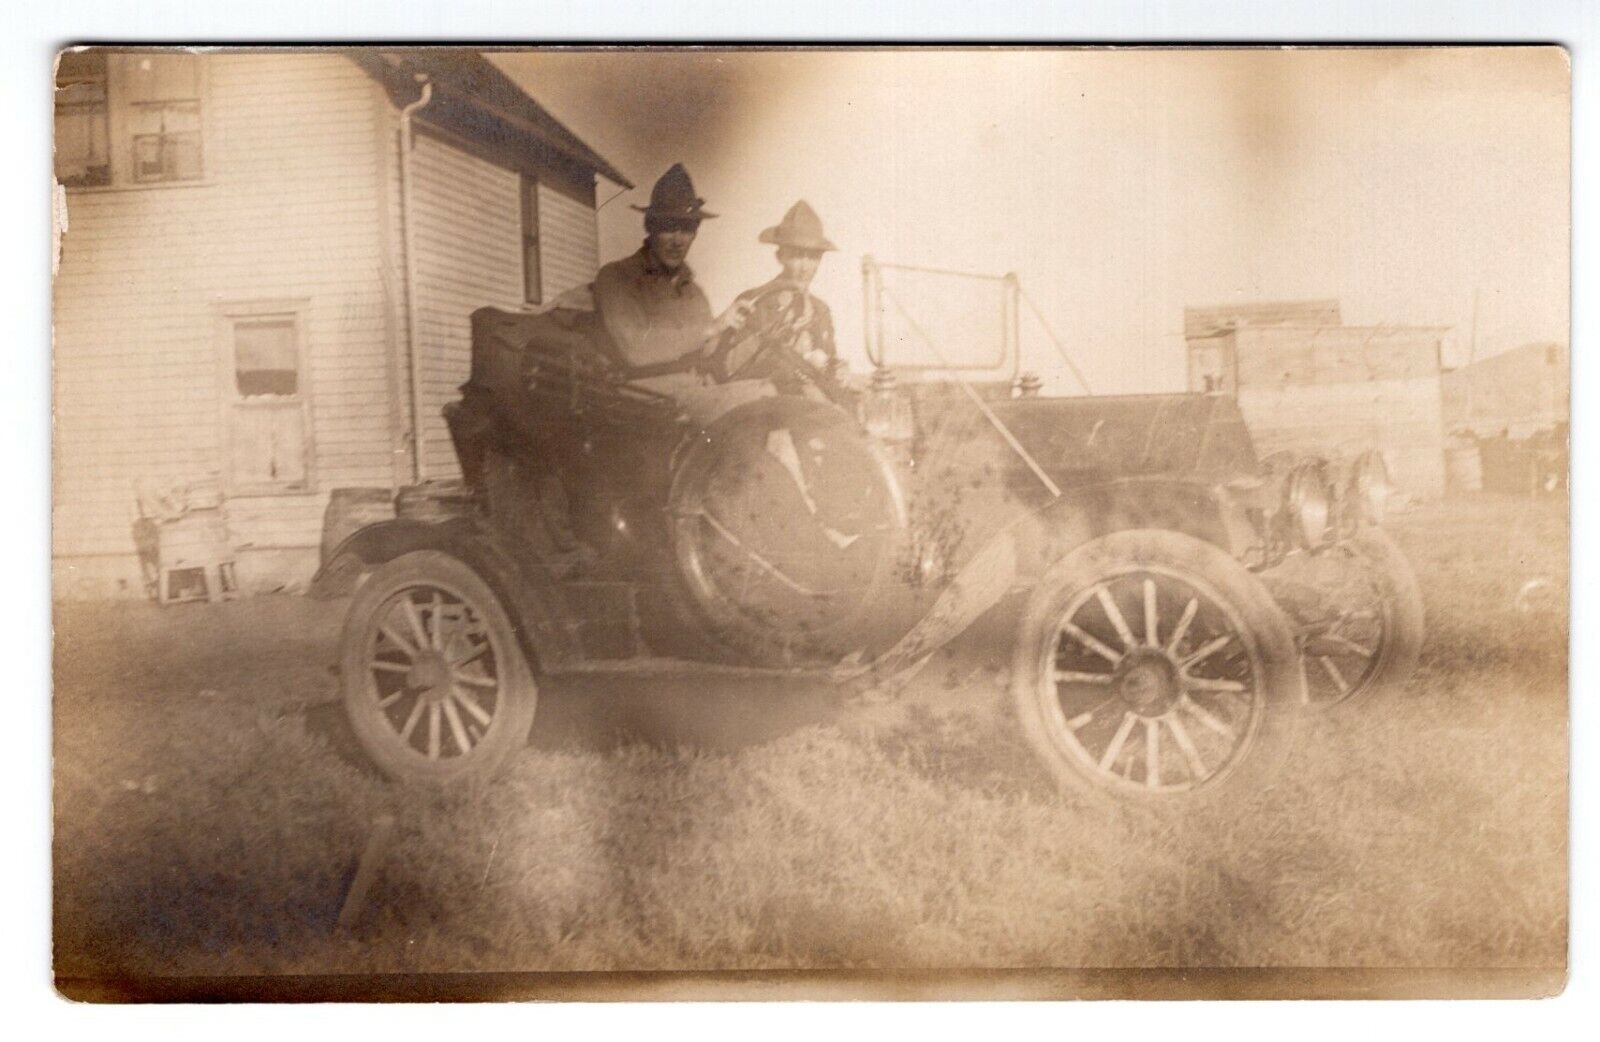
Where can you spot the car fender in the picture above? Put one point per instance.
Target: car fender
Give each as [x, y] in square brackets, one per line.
[528, 594]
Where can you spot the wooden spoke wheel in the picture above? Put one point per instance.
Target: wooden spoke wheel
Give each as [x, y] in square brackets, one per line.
[435, 685]
[1360, 615]
[1151, 666]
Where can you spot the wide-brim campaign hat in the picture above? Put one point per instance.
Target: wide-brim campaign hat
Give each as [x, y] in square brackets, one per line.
[673, 198]
[800, 228]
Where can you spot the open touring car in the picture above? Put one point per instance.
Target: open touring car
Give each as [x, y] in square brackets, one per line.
[1184, 602]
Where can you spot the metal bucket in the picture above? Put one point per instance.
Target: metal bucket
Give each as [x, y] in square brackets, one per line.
[1463, 468]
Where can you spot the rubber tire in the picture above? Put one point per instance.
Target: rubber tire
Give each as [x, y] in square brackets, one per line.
[1269, 630]
[508, 733]
[727, 628]
[1403, 620]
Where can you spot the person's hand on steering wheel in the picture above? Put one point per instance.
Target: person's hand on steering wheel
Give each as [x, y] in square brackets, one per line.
[778, 348]
[732, 330]
[734, 318]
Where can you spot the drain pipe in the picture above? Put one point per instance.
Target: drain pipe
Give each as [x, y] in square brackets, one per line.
[413, 359]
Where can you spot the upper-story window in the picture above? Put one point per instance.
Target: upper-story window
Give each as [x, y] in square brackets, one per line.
[83, 152]
[128, 119]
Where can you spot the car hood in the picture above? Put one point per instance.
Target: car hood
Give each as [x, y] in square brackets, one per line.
[1085, 440]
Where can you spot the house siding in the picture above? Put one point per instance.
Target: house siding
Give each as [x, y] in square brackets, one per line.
[288, 210]
[300, 203]
[569, 243]
[467, 232]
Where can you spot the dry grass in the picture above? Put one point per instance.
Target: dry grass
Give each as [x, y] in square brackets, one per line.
[210, 814]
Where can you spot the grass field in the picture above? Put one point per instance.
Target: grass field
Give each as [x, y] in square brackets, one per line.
[210, 812]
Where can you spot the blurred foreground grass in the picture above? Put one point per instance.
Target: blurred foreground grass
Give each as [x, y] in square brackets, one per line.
[209, 815]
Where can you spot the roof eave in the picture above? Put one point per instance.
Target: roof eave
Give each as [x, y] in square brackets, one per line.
[591, 160]
[399, 77]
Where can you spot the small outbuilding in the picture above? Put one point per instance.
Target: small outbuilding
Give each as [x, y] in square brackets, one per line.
[1507, 416]
[1516, 393]
[1308, 383]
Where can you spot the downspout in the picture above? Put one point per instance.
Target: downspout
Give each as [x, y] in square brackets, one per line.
[413, 358]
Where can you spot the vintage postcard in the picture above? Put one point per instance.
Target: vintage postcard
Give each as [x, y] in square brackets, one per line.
[810, 523]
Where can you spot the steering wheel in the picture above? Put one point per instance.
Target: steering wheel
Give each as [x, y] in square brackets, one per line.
[789, 358]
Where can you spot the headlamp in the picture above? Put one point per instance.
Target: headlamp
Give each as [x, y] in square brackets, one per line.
[1371, 486]
[1309, 506]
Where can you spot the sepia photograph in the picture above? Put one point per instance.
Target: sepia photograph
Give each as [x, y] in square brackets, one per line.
[754, 522]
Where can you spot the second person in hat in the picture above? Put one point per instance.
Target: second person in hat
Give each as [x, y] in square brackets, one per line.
[787, 324]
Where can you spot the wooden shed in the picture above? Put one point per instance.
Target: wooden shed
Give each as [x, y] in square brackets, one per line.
[1306, 383]
[1517, 393]
[235, 303]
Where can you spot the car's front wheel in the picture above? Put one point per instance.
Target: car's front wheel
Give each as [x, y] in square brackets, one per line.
[1359, 610]
[1153, 668]
[434, 682]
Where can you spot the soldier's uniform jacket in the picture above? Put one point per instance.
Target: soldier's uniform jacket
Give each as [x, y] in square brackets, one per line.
[652, 315]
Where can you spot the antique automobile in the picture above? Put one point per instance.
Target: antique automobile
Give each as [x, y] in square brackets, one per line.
[1180, 603]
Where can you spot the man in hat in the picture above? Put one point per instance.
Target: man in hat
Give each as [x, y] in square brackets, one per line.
[657, 317]
[788, 336]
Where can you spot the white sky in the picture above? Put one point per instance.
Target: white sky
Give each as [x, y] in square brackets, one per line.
[1120, 186]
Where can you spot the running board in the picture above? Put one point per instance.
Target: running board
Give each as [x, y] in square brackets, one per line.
[687, 668]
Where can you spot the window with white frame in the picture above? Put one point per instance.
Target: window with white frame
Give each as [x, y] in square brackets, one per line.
[128, 119]
[266, 408]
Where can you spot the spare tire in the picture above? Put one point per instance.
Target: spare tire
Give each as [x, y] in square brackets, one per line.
[786, 521]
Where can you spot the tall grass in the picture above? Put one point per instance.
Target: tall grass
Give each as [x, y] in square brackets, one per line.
[209, 815]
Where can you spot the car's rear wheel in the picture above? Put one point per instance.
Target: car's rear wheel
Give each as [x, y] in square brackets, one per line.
[435, 684]
[1153, 668]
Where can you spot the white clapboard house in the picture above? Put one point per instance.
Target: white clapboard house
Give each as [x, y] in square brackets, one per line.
[235, 299]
